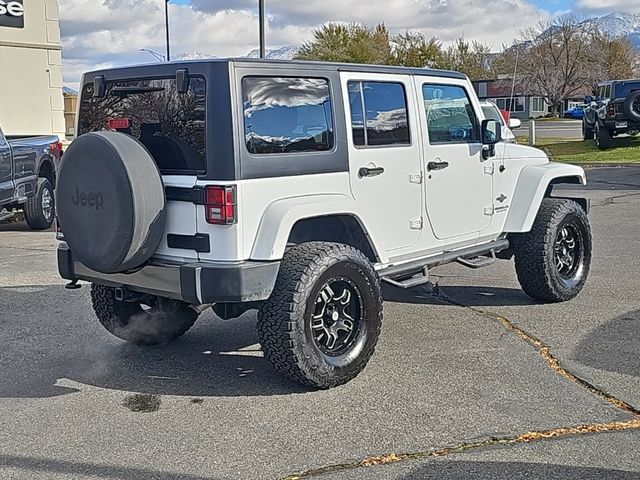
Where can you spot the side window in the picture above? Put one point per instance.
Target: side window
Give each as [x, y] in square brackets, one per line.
[450, 116]
[607, 92]
[378, 113]
[283, 115]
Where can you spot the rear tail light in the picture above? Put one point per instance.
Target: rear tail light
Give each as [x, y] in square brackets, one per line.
[220, 204]
[611, 109]
[119, 123]
[56, 149]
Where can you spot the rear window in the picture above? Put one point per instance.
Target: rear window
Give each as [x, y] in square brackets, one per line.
[624, 89]
[171, 125]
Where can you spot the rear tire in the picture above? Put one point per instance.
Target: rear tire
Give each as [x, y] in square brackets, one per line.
[321, 324]
[163, 322]
[39, 210]
[603, 138]
[553, 259]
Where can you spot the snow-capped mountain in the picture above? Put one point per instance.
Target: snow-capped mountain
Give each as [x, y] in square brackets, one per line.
[283, 53]
[618, 24]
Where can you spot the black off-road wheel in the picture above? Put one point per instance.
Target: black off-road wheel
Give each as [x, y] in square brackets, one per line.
[322, 322]
[160, 320]
[603, 137]
[40, 208]
[553, 259]
[587, 131]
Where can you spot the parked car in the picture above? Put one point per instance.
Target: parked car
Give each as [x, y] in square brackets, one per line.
[297, 188]
[615, 111]
[491, 111]
[576, 112]
[28, 167]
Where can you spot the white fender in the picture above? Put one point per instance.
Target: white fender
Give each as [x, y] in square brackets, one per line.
[281, 215]
[530, 189]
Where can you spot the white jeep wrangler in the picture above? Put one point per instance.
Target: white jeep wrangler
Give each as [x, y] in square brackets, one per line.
[296, 188]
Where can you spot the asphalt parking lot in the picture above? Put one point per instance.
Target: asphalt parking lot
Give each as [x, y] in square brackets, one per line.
[471, 379]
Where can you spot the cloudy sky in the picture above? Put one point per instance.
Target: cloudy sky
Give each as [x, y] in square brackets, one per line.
[103, 33]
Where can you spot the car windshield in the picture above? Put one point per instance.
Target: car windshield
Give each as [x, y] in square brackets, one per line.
[492, 113]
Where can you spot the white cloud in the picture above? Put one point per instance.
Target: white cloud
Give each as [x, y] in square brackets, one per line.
[111, 32]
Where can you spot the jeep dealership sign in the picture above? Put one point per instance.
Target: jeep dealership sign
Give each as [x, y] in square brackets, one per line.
[12, 13]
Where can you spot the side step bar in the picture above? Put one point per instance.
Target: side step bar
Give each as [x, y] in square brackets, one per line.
[416, 273]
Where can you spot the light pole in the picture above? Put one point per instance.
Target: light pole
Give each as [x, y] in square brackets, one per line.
[156, 55]
[166, 19]
[261, 15]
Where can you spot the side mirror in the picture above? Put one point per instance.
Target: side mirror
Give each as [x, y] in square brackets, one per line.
[594, 105]
[515, 123]
[491, 132]
[588, 99]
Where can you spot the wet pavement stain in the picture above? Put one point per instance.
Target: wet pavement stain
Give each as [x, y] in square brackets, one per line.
[197, 400]
[142, 403]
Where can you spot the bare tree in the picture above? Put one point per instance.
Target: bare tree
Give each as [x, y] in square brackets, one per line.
[556, 59]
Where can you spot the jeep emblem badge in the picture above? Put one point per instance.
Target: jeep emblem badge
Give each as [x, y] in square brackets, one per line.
[12, 13]
[83, 199]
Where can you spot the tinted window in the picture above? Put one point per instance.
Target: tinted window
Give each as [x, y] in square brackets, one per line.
[382, 107]
[450, 116]
[287, 115]
[170, 124]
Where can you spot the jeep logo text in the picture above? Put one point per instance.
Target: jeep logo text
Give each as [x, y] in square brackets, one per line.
[93, 200]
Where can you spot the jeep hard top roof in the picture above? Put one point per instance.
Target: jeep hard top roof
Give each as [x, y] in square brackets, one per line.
[611, 82]
[145, 69]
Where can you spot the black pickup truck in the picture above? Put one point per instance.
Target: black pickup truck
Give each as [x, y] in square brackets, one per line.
[28, 167]
[615, 111]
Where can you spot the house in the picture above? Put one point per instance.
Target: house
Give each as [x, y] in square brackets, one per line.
[525, 105]
[499, 91]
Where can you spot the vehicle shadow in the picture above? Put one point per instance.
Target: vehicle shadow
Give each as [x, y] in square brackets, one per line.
[471, 296]
[87, 470]
[613, 346]
[46, 346]
[464, 470]
[19, 226]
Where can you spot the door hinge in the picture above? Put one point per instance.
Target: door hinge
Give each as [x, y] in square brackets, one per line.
[489, 169]
[488, 210]
[416, 178]
[415, 223]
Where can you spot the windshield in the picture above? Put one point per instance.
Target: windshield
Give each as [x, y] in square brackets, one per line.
[492, 113]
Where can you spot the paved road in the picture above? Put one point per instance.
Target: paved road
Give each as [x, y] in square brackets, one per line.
[447, 372]
[569, 129]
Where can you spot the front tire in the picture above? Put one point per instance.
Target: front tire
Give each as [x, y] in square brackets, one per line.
[603, 138]
[39, 209]
[163, 321]
[553, 259]
[322, 322]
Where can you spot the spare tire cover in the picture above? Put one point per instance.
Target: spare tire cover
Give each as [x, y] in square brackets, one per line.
[631, 106]
[110, 202]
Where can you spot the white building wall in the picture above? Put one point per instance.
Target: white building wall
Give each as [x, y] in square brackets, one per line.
[31, 101]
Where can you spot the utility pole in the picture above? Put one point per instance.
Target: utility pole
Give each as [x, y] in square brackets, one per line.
[166, 20]
[261, 15]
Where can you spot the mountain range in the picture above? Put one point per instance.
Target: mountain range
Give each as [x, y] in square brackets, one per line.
[616, 24]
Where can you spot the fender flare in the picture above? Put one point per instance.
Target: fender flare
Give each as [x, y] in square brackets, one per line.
[532, 186]
[280, 217]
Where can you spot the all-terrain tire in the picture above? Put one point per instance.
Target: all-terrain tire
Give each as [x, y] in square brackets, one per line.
[288, 323]
[603, 138]
[587, 131]
[163, 322]
[541, 254]
[40, 208]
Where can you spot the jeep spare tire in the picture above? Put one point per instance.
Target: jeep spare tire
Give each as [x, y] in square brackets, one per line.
[111, 202]
[631, 106]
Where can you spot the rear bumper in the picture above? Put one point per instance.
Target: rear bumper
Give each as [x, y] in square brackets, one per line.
[195, 283]
[612, 124]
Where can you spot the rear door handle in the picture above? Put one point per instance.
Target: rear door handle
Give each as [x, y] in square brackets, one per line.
[436, 166]
[370, 172]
